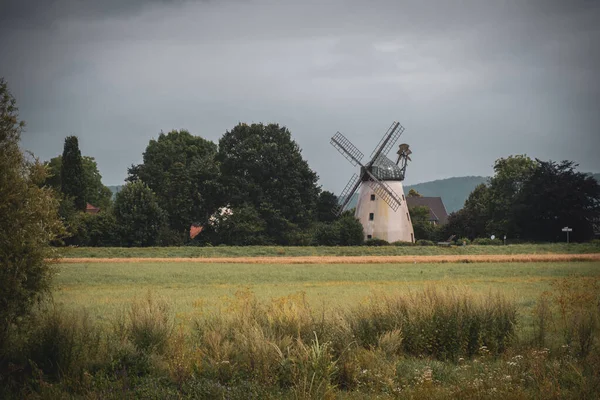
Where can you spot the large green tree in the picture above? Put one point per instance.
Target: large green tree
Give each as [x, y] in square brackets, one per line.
[71, 173]
[262, 166]
[181, 169]
[530, 200]
[504, 189]
[138, 215]
[325, 204]
[555, 196]
[95, 192]
[28, 222]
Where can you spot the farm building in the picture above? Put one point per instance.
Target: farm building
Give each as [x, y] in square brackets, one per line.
[437, 211]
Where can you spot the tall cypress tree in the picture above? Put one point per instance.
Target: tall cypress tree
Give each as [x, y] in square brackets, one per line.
[71, 173]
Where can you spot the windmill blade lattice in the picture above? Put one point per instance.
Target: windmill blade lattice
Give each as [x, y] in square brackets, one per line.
[346, 195]
[384, 191]
[347, 149]
[388, 140]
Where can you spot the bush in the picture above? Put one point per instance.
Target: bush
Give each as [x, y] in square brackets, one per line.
[443, 324]
[147, 325]
[487, 242]
[28, 223]
[402, 244]
[350, 231]
[466, 241]
[327, 234]
[376, 242]
[62, 343]
[423, 242]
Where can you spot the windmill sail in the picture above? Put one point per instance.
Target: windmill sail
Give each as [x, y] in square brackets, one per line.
[346, 195]
[384, 191]
[388, 140]
[347, 149]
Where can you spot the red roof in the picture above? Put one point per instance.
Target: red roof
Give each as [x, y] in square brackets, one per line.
[91, 209]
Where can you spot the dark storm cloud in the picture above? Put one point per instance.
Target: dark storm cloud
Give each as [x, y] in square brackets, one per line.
[471, 81]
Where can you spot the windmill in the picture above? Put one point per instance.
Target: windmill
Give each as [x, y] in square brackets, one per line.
[381, 207]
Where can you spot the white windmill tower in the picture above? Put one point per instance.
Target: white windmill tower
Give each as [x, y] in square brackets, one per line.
[381, 207]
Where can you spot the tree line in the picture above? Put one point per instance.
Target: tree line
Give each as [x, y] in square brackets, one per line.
[256, 171]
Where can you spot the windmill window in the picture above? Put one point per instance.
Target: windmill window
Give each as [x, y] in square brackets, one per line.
[403, 199]
[369, 236]
[412, 238]
[372, 197]
[371, 217]
[407, 216]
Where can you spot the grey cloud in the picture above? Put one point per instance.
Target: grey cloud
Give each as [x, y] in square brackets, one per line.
[471, 81]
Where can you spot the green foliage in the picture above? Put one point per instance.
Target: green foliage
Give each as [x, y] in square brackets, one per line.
[463, 241]
[555, 196]
[28, 222]
[423, 242]
[95, 192]
[511, 175]
[72, 178]
[181, 170]
[414, 193]
[242, 228]
[376, 242]
[530, 200]
[350, 231]
[62, 343]
[149, 324]
[403, 244]
[327, 234]
[262, 166]
[325, 204]
[138, 215]
[422, 227]
[487, 242]
[94, 230]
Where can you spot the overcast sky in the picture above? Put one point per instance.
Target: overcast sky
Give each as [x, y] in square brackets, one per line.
[471, 81]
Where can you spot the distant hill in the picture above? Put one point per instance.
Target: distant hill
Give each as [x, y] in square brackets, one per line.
[453, 191]
[115, 189]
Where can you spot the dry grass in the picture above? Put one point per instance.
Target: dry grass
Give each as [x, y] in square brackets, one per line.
[468, 258]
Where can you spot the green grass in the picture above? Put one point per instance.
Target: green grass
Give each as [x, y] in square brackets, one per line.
[278, 251]
[190, 330]
[104, 288]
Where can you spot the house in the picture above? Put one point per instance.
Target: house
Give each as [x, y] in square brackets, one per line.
[90, 209]
[437, 211]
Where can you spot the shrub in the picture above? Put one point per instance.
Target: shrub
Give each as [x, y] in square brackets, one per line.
[423, 242]
[402, 244]
[443, 324]
[327, 234]
[62, 343]
[463, 240]
[376, 242]
[28, 223]
[350, 231]
[486, 242]
[148, 324]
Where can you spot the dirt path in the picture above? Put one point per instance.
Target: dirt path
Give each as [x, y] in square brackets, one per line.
[497, 258]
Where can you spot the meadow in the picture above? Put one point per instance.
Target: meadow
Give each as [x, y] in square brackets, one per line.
[185, 329]
[104, 288]
[279, 251]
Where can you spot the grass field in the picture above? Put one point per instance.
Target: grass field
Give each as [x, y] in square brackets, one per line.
[177, 328]
[104, 288]
[278, 251]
